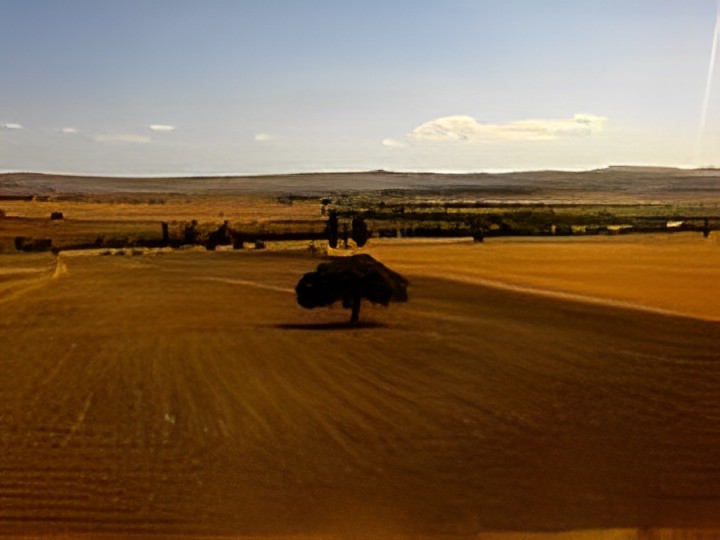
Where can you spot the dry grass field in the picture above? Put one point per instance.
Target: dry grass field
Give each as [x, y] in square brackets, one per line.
[130, 218]
[158, 207]
[675, 273]
[186, 393]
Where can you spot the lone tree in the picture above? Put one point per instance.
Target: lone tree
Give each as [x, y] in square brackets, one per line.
[220, 237]
[360, 232]
[332, 229]
[190, 233]
[351, 279]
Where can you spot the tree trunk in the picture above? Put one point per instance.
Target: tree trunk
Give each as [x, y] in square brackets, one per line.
[355, 316]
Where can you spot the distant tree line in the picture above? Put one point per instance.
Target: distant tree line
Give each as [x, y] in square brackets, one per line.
[343, 222]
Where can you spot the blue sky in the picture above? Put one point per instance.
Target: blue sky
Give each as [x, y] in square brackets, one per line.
[223, 87]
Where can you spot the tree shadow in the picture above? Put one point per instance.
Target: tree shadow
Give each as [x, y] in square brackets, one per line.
[344, 325]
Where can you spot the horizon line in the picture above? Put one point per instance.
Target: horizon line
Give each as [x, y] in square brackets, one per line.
[447, 172]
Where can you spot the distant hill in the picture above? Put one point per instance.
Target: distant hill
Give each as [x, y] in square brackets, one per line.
[617, 183]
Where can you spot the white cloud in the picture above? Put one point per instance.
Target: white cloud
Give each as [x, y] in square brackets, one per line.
[395, 143]
[122, 138]
[264, 137]
[69, 130]
[12, 125]
[467, 129]
[161, 127]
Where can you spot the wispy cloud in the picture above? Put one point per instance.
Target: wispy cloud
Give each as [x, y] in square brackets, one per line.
[466, 129]
[12, 125]
[395, 143]
[122, 138]
[265, 137]
[69, 131]
[161, 127]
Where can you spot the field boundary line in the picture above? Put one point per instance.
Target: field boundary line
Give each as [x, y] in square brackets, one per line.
[563, 295]
[248, 283]
[15, 288]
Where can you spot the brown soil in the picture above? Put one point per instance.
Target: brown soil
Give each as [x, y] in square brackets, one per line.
[187, 393]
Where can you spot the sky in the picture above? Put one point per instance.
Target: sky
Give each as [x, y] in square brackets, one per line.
[180, 87]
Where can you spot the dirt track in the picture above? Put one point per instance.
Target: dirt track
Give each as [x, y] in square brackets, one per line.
[169, 393]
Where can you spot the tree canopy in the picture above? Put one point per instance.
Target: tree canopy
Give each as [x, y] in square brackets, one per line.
[350, 279]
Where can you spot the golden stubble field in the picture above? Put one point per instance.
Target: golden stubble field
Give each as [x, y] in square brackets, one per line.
[187, 393]
[167, 207]
[673, 273]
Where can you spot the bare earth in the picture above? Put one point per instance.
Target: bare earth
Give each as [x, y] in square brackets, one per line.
[186, 393]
